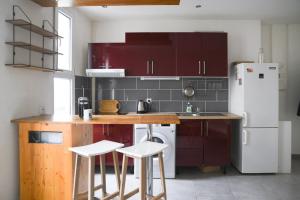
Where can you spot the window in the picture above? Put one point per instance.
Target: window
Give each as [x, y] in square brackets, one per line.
[64, 44]
[63, 80]
[62, 96]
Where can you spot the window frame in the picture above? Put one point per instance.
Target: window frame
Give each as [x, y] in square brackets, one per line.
[71, 79]
[71, 69]
[67, 74]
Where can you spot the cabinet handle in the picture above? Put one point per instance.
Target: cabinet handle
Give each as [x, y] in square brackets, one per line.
[204, 67]
[245, 119]
[199, 67]
[152, 66]
[201, 134]
[207, 128]
[148, 66]
[108, 130]
[245, 140]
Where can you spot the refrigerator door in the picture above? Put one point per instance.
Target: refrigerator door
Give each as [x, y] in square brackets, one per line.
[259, 150]
[261, 95]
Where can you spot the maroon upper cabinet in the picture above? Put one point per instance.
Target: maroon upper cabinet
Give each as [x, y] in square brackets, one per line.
[202, 54]
[215, 58]
[164, 54]
[106, 55]
[190, 54]
[151, 54]
[217, 140]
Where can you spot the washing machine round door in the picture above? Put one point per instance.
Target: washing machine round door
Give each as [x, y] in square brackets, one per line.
[160, 138]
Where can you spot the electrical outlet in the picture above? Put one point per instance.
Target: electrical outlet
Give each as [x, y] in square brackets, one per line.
[42, 110]
[148, 100]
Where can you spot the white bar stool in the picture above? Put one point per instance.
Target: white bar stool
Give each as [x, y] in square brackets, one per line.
[142, 151]
[90, 151]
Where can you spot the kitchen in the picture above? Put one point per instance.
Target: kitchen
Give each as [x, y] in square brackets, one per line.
[31, 93]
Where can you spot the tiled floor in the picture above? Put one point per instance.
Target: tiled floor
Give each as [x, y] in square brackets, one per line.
[191, 184]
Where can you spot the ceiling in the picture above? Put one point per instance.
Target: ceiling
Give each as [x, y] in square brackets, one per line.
[269, 11]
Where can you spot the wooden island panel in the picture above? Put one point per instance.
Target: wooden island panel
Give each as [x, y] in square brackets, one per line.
[46, 170]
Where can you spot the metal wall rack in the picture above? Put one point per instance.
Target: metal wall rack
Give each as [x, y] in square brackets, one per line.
[28, 25]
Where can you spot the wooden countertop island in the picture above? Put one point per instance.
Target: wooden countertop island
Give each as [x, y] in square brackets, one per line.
[130, 118]
[46, 164]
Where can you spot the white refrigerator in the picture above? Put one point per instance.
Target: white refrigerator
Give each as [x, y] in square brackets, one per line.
[254, 95]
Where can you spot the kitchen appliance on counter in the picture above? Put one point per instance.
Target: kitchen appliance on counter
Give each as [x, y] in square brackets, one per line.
[83, 103]
[143, 107]
[254, 95]
[162, 133]
[108, 106]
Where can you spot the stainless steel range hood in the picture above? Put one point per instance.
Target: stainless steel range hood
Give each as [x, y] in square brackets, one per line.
[105, 72]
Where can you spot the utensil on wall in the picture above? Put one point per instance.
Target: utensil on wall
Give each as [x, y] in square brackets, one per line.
[298, 113]
[189, 91]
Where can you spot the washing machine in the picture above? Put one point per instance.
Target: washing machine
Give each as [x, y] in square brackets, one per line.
[162, 133]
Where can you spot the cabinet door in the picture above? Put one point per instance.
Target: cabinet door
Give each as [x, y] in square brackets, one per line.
[152, 54]
[107, 55]
[122, 134]
[215, 61]
[163, 55]
[189, 143]
[96, 57]
[189, 54]
[217, 134]
[99, 134]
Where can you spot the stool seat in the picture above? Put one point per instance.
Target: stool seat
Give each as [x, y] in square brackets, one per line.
[144, 149]
[98, 148]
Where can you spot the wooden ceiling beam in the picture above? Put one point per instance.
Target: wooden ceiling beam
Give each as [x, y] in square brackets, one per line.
[72, 3]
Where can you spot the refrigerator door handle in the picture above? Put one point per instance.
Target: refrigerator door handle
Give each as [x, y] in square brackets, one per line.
[245, 138]
[245, 119]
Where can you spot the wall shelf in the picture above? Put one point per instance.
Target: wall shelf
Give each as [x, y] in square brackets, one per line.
[31, 67]
[29, 46]
[41, 31]
[33, 28]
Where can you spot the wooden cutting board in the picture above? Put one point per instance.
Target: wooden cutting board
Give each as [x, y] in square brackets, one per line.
[109, 106]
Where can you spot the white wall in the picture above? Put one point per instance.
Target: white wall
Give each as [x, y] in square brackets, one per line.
[281, 42]
[22, 92]
[244, 36]
[81, 35]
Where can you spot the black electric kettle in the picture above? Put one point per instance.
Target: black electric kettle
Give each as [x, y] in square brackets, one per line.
[143, 107]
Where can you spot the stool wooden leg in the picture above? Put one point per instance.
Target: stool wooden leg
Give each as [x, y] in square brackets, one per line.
[117, 170]
[143, 179]
[162, 174]
[91, 175]
[103, 175]
[123, 179]
[76, 176]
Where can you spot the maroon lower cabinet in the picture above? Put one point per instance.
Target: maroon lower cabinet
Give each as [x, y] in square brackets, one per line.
[117, 133]
[189, 143]
[217, 142]
[203, 142]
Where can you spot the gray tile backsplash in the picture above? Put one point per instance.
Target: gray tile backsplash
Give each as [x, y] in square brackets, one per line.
[211, 94]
